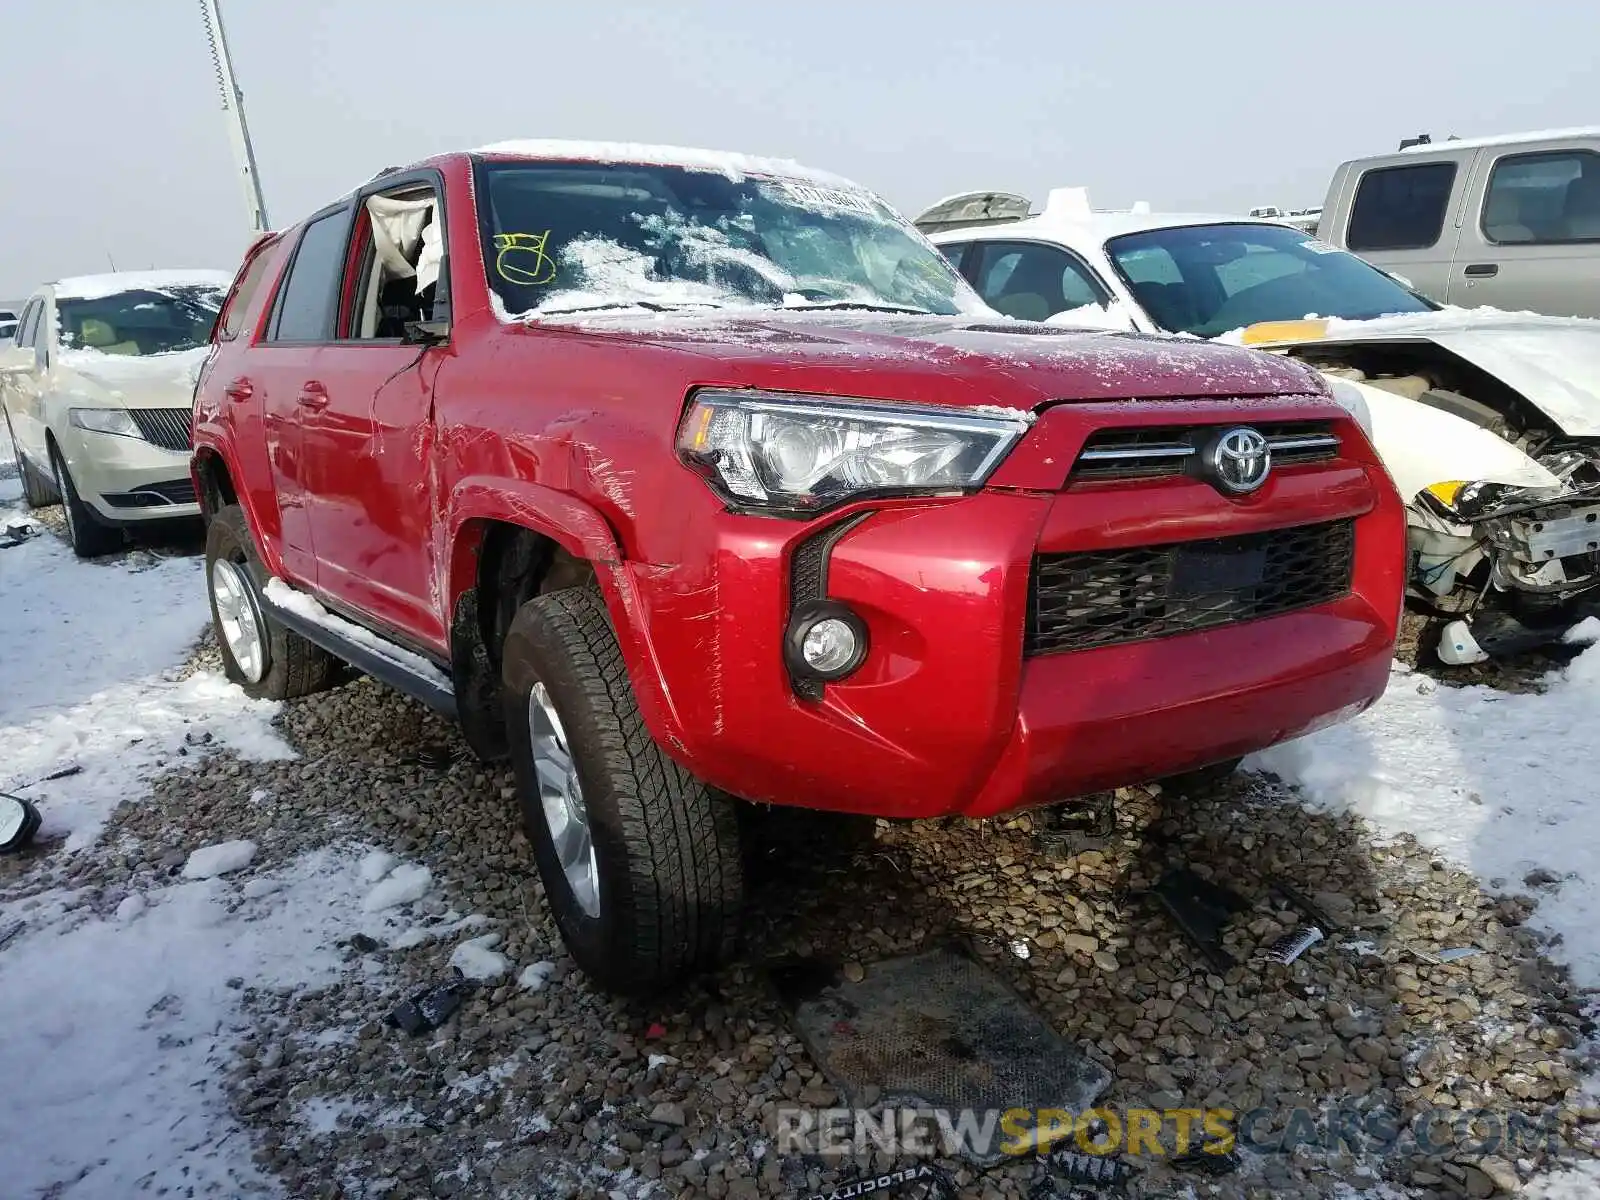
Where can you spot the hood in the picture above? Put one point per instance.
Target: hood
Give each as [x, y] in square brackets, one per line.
[1018, 364]
[1553, 362]
[132, 381]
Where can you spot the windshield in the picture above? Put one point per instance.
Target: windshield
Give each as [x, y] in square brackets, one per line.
[562, 237]
[1210, 279]
[140, 322]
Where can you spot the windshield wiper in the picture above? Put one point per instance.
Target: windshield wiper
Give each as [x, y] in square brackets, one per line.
[861, 305]
[648, 305]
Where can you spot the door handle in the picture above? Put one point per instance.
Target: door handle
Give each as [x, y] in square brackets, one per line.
[1482, 270]
[313, 395]
[240, 390]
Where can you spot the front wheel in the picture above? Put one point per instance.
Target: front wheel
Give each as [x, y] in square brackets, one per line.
[640, 861]
[90, 538]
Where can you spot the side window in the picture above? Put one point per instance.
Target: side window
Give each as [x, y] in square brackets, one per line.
[1032, 282]
[307, 299]
[30, 316]
[392, 278]
[1548, 197]
[1401, 208]
[231, 324]
[955, 252]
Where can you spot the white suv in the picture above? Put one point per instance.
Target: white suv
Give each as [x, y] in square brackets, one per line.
[97, 388]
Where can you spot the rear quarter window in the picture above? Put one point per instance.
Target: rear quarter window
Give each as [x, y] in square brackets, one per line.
[1401, 208]
[236, 313]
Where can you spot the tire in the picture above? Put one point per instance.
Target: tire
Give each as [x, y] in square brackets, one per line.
[669, 883]
[90, 537]
[38, 489]
[291, 665]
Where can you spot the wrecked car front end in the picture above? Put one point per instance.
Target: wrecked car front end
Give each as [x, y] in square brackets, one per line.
[1495, 443]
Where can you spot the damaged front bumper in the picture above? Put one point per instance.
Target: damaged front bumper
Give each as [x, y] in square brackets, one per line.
[1518, 570]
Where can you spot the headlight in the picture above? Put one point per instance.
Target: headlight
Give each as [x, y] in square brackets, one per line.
[806, 453]
[104, 420]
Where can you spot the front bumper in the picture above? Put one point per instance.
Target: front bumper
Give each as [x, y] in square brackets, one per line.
[948, 714]
[128, 480]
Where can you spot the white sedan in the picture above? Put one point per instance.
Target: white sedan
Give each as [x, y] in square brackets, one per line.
[97, 388]
[1488, 421]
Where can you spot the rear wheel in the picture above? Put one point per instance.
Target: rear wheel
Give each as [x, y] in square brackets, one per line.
[265, 659]
[640, 861]
[90, 538]
[38, 489]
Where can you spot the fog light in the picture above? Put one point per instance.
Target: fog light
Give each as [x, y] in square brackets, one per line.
[826, 641]
[828, 645]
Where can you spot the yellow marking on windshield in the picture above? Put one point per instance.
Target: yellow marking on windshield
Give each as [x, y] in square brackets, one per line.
[513, 264]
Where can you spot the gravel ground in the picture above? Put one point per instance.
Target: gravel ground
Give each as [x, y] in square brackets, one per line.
[587, 1094]
[566, 1092]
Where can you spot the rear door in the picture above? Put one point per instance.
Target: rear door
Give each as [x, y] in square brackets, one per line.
[1532, 240]
[282, 375]
[1404, 216]
[21, 387]
[367, 444]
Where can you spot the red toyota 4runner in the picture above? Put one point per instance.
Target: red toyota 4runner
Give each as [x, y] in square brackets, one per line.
[681, 477]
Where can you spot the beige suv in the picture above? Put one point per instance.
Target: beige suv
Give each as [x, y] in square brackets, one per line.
[1511, 222]
[97, 386]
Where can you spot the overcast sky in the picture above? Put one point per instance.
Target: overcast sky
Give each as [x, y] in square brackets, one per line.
[115, 149]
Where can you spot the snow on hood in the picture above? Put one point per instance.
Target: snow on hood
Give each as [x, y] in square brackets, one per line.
[1554, 362]
[734, 166]
[96, 287]
[1040, 362]
[164, 379]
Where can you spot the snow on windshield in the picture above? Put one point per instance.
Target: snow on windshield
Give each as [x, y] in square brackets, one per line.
[566, 237]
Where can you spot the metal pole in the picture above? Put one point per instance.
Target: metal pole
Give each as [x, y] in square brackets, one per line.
[233, 109]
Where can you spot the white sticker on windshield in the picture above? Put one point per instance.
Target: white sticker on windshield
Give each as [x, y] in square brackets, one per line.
[1317, 247]
[813, 196]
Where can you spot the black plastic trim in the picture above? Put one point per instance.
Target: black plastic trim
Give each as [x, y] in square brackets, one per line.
[436, 696]
[808, 584]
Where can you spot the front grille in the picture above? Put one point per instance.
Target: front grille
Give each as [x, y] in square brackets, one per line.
[154, 495]
[1164, 450]
[1105, 597]
[164, 427]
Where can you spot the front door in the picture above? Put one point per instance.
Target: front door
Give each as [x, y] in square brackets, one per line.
[368, 447]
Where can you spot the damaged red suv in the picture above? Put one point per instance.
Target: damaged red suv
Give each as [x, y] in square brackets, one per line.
[690, 480]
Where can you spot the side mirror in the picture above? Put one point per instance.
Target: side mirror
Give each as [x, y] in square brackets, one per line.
[19, 821]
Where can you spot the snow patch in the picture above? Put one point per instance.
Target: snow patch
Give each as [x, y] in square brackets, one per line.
[477, 958]
[404, 885]
[720, 162]
[128, 1025]
[1500, 783]
[210, 861]
[376, 865]
[97, 287]
[535, 976]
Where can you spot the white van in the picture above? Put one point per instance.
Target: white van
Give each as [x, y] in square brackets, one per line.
[1512, 221]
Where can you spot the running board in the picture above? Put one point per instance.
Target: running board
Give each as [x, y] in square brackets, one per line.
[368, 652]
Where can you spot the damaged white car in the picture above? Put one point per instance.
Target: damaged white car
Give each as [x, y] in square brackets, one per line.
[1488, 421]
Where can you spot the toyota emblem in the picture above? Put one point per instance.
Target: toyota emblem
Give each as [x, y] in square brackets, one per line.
[1238, 460]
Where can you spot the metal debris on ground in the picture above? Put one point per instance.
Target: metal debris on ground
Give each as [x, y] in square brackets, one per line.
[1201, 910]
[1093, 1170]
[1457, 953]
[431, 1007]
[16, 533]
[1208, 1162]
[1293, 944]
[925, 1181]
[1067, 831]
[434, 756]
[938, 1031]
[1298, 900]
